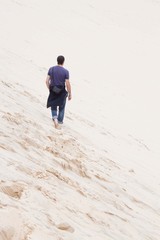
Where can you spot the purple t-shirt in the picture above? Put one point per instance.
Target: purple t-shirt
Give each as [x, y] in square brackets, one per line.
[58, 75]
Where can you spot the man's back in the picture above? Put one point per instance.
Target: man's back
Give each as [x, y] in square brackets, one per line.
[58, 75]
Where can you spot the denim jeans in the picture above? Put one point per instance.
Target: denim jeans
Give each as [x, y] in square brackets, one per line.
[58, 112]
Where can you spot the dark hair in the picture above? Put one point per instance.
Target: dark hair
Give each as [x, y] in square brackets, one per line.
[60, 60]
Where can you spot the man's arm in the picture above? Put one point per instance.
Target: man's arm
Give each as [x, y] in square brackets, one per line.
[48, 81]
[68, 86]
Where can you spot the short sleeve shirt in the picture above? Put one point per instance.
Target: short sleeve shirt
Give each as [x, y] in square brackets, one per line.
[58, 75]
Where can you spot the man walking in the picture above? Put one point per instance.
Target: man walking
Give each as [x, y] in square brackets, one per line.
[57, 82]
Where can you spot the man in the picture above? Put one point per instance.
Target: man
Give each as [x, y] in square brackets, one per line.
[57, 82]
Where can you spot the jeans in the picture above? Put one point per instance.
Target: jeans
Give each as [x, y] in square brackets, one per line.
[58, 112]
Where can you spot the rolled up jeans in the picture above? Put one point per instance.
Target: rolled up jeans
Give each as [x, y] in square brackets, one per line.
[58, 112]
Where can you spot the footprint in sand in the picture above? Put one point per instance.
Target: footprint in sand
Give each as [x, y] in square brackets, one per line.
[65, 227]
[14, 190]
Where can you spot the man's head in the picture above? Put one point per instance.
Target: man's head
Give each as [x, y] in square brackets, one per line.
[60, 60]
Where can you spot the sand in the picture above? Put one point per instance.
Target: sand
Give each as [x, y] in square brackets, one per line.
[98, 176]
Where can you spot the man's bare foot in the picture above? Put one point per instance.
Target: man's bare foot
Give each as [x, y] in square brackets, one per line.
[55, 123]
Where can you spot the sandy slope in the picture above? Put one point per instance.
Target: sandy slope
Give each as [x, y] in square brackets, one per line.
[55, 184]
[87, 180]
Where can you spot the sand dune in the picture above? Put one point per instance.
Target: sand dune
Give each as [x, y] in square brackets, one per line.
[57, 185]
[93, 178]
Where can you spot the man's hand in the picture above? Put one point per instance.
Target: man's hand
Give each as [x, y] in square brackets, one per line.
[68, 85]
[69, 96]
